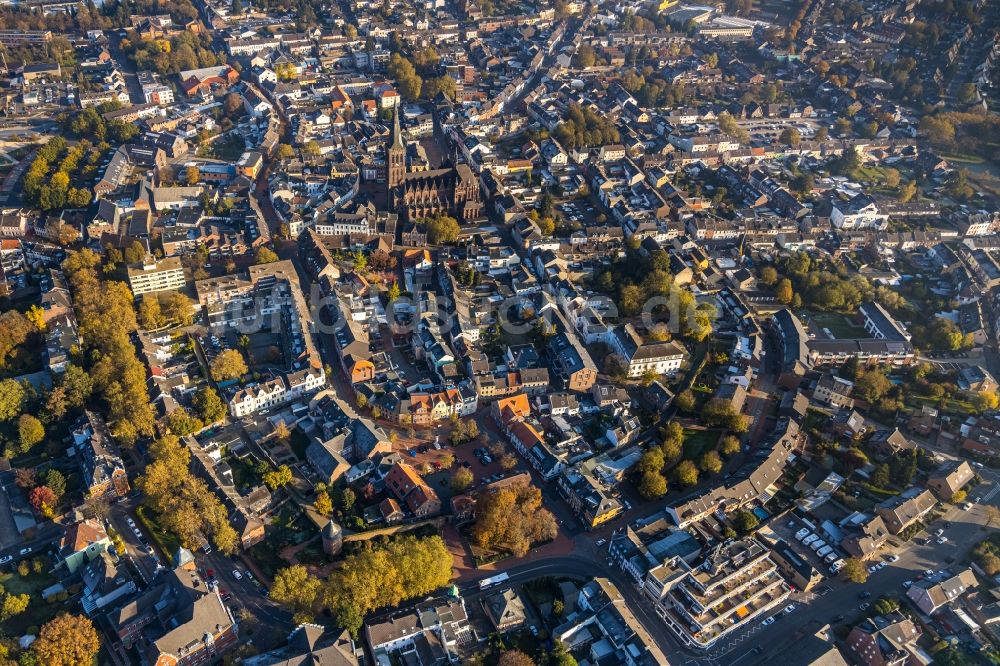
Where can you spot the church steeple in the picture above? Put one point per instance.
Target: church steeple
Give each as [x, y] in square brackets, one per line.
[395, 157]
[397, 135]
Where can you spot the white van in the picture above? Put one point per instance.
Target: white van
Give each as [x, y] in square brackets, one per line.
[809, 539]
[824, 551]
[831, 557]
[802, 534]
[817, 544]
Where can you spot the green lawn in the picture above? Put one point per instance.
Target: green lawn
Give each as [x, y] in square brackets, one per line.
[951, 405]
[228, 148]
[963, 158]
[38, 612]
[839, 326]
[699, 442]
[167, 542]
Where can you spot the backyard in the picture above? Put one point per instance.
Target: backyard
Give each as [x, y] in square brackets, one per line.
[39, 611]
[837, 326]
[288, 528]
[228, 148]
[699, 442]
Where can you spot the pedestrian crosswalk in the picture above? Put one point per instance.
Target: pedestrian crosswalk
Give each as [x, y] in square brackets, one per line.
[991, 493]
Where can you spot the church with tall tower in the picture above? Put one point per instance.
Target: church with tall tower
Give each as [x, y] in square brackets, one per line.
[451, 190]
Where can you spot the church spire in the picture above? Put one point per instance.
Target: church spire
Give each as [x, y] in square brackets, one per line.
[397, 135]
[395, 154]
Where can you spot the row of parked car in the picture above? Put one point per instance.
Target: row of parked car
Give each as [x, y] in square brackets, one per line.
[822, 549]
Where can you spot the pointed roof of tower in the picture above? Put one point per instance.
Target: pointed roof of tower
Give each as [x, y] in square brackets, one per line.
[397, 135]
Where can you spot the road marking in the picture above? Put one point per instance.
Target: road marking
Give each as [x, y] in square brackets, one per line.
[991, 494]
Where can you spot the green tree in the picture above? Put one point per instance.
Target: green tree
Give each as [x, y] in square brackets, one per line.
[56, 482]
[559, 655]
[442, 84]
[880, 476]
[181, 423]
[745, 521]
[585, 56]
[790, 136]
[407, 80]
[13, 604]
[872, 385]
[30, 431]
[651, 460]
[179, 308]
[295, 588]
[652, 485]
[729, 446]
[685, 401]
[710, 462]
[784, 291]
[892, 177]
[442, 229]
[278, 478]
[461, 480]
[854, 570]
[208, 405]
[673, 440]
[384, 575]
[67, 640]
[907, 191]
[323, 504]
[347, 500]
[265, 256]
[150, 313]
[768, 276]
[11, 399]
[228, 364]
[885, 605]
[134, 253]
[686, 473]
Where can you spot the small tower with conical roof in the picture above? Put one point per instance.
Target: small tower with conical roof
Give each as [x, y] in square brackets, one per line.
[333, 538]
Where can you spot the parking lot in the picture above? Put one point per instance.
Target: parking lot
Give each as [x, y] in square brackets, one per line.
[811, 544]
[579, 212]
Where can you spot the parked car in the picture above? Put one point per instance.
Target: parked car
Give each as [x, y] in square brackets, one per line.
[767, 622]
[237, 575]
[25, 551]
[6, 558]
[942, 540]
